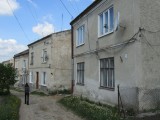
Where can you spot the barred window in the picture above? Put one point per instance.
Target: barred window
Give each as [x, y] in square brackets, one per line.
[80, 73]
[107, 73]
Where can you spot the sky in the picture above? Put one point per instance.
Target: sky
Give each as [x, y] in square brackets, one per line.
[25, 21]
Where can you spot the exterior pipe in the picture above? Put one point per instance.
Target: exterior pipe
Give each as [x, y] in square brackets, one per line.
[72, 82]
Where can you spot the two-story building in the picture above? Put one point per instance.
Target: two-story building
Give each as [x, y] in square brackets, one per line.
[50, 62]
[21, 65]
[116, 42]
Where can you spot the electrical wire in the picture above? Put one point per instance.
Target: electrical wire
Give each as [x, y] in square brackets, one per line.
[73, 6]
[149, 44]
[66, 9]
[125, 43]
[18, 22]
[34, 17]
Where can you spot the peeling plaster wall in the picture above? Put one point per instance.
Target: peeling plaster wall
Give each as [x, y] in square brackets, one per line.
[58, 65]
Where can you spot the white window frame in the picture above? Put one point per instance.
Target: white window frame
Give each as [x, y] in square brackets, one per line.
[81, 41]
[30, 77]
[107, 71]
[44, 78]
[44, 55]
[104, 22]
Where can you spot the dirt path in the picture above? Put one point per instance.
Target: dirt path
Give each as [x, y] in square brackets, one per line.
[43, 108]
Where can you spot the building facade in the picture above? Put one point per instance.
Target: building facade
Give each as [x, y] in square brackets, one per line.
[50, 62]
[21, 65]
[115, 43]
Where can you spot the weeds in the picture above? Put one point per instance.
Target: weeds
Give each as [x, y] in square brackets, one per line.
[9, 108]
[39, 93]
[89, 110]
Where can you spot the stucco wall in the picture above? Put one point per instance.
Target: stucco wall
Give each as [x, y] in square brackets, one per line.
[58, 65]
[18, 61]
[127, 70]
[149, 96]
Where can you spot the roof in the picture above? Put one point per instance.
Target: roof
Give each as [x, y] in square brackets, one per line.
[46, 37]
[22, 53]
[96, 2]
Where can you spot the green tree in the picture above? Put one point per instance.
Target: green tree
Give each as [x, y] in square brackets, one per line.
[7, 78]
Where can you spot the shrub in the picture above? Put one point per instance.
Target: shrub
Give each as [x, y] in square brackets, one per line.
[9, 108]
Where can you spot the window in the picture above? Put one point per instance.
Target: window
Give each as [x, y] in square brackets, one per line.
[44, 56]
[80, 35]
[43, 78]
[31, 77]
[107, 73]
[32, 56]
[106, 22]
[80, 73]
[24, 63]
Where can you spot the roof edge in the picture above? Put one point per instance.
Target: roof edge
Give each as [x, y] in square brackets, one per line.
[46, 37]
[96, 2]
[21, 53]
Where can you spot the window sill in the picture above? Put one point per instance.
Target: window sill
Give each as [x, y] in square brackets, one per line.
[43, 85]
[44, 62]
[107, 88]
[79, 45]
[80, 84]
[100, 36]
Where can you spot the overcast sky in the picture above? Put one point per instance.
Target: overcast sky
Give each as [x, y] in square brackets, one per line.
[24, 21]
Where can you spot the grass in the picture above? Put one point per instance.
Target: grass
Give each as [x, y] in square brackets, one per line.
[64, 91]
[38, 93]
[9, 107]
[89, 110]
[17, 89]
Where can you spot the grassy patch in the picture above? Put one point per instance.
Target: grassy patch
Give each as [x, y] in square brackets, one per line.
[89, 110]
[9, 108]
[38, 93]
[64, 91]
[17, 89]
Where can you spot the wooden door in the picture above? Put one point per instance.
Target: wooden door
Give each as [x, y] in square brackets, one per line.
[37, 80]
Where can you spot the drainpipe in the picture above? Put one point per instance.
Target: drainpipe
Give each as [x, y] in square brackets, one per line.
[72, 83]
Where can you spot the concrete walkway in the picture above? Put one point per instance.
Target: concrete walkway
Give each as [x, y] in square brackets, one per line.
[43, 108]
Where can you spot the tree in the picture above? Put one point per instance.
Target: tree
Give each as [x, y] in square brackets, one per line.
[7, 78]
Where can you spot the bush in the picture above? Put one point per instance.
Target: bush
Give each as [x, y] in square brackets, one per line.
[88, 110]
[7, 78]
[9, 108]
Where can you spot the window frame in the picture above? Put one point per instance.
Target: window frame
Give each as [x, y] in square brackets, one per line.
[32, 58]
[30, 77]
[43, 79]
[44, 55]
[104, 22]
[80, 72]
[80, 42]
[111, 71]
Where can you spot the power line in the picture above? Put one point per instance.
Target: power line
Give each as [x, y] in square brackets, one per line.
[34, 17]
[66, 8]
[18, 21]
[73, 6]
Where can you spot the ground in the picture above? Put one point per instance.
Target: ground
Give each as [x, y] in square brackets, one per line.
[43, 108]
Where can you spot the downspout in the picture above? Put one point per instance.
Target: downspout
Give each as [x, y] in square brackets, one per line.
[72, 60]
